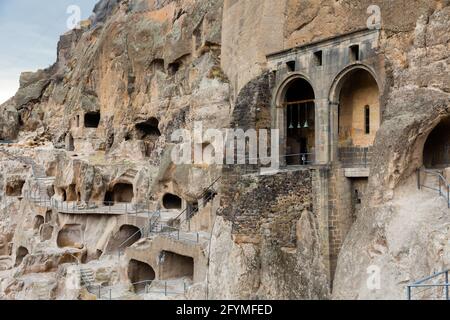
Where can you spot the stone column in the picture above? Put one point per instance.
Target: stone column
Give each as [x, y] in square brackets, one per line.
[334, 131]
[281, 125]
[322, 132]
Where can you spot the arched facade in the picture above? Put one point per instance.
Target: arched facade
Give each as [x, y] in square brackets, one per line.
[355, 113]
[342, 72]
[295, 118]
[345, 75]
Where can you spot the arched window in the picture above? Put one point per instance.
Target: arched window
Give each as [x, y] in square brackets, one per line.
[300, 123]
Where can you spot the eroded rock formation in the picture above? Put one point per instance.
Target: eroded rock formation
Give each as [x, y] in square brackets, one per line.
[90, 196]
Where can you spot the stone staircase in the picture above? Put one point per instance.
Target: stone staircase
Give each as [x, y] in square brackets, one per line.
[42, 293]
[87, 277]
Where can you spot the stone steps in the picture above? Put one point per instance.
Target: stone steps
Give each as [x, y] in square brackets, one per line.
[87, 277]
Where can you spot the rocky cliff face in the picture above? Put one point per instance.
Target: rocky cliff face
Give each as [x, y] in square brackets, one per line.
[149, 67]
[402, 231]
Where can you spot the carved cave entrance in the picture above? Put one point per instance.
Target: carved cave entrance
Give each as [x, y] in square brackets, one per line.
[92, 120]
[121, 193]
[140, 274]
[38, 222]
[14, 188]
[70, 236]
[21, 253]
[300, 123]
[436, 152]
[175, 266]
[171, 201]
[148, 131]
[128, 235]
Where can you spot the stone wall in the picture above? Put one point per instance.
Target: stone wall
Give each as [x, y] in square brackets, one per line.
[280, 220]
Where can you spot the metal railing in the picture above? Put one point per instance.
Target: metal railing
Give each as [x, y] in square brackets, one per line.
[443, 187]
[355, 156]
[164, 287]
[175, 233]
[428, 291]
[285, 162]
[205, 192]
[145, 232]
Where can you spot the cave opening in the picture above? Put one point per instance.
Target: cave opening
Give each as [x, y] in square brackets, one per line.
[157, 65]
[14, 188]
[140, 275]
[21, 253]
[38, 222]
[108, 199]
[123, 193]
[175, 266]
[436, 152]
[70, 236]
[46, 232]
[171, 201]
[92, 120]
[148, 129]
[128, 235]
[174, 67]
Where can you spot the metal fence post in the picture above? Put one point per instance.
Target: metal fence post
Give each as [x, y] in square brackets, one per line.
[446, 286]
[418, 179]
[440, 192]
[448, 195]
[408, 293]
[165, 288]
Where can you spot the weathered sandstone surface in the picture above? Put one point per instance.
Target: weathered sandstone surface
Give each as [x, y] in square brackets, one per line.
[94, 130]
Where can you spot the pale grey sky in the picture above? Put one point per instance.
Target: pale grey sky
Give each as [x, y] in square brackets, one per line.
[29, 33]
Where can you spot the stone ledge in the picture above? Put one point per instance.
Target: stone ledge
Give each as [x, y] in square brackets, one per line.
[356, 172]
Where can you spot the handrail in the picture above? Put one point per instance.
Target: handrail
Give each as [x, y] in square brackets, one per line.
[420, 284]
[205, 191]
[147, 284]
[141, 230]
[175, 233]
[442, 181]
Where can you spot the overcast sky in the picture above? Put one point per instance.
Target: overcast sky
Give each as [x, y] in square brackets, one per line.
[29, 33]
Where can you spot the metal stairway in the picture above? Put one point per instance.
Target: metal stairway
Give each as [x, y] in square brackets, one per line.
[434, 180]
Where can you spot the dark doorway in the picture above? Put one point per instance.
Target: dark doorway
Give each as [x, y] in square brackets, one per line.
[109, 199]
[92, 120]
[22, 252]
[140, 274]
[436, 152]
[300, 125]
[123, 193]
[128, 235]
[148, 129]
[171, 201]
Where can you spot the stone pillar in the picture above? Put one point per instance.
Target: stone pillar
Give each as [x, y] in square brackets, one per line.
[334, 131]
[322, 132]
[281, 125]
[320, 188]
